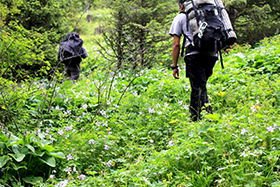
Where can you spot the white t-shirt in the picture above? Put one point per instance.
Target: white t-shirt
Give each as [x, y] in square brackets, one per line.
[179, 27]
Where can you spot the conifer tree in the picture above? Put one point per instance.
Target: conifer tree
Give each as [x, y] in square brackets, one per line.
[46, 21]
[136, 27]
[254, 19]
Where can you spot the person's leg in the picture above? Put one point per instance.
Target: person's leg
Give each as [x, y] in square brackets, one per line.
[74, 67]
[198, 85]
[193, 71]
[68, 72]
[208, 64]
[66, 66]
[75, 73]
[198, 70]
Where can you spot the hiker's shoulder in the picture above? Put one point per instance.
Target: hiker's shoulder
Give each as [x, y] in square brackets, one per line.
[180, 17]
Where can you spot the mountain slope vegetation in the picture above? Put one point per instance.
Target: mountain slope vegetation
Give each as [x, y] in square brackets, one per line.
[132, 128]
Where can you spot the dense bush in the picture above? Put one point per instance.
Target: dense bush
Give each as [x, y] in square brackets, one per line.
[26, 160]
[30, 32]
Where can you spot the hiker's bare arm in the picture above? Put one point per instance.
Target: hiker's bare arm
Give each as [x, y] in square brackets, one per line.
[175, 49]
[175, 54]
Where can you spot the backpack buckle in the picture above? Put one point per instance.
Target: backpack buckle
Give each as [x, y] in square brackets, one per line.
[202, 27]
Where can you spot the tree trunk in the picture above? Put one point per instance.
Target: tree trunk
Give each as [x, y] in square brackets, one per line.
[88, 7]
[119, 39]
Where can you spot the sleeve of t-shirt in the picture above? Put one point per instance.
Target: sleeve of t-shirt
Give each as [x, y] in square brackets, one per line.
[179, 27]
[176, 27]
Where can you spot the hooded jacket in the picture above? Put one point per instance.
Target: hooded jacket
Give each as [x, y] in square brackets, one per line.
[71, 47]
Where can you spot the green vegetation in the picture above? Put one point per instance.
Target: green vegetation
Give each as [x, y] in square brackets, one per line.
[131, 127]
[147, 140]
[30, 33]
[254, 20]
[26, 159]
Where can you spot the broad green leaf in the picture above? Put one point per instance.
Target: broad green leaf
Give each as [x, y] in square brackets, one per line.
[39, 153]
[47, 147]
[28, 137]
[12, 142]
[3, 160]
[2, 145]
[42, 136]
[16, 166]
[18, 157]
[49, 160]
[66, 84]
[58, 155]
[213, 117]
[33, 180]
[46, 142]
[30, 147]
[13, 137]
[16, 149]
[111, 137]
[276, 138]
[239, 57]
[35, 139]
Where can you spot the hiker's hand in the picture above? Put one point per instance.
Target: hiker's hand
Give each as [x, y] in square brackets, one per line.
[176, 73]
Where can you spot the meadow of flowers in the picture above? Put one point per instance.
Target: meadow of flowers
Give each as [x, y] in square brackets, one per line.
[60, 134]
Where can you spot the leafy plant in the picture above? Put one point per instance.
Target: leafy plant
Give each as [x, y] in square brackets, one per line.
[26, 160]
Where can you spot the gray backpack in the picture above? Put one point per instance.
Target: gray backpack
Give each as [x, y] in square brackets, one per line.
[208, 25]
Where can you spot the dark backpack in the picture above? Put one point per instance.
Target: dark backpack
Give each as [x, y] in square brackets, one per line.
[211, 35]
[71, 47]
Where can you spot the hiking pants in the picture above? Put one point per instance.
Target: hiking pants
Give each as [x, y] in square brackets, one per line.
[199, 68]
[72, 68]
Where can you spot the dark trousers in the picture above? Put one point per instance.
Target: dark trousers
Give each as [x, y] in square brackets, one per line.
[72, 68]
[199, 68]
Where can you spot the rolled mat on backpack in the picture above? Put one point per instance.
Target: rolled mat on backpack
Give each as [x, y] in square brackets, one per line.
[224, 17]
[228, 26]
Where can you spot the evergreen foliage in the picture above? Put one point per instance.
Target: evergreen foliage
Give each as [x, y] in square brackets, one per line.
[18, 46]
[254, 20]
[135, 29]
[43, 22]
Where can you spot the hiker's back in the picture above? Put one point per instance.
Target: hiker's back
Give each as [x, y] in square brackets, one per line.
[71, 47]
[210, 24]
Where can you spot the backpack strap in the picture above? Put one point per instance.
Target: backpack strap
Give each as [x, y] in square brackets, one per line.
[220, 52]
[221, 58]
[185, 36]
[195, 12]
[219, 8]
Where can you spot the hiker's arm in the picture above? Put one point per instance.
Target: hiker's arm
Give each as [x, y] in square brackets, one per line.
[175, 54]
[84, 55]
[175, 49]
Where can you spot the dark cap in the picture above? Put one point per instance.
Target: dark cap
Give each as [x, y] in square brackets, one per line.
[180, 2]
